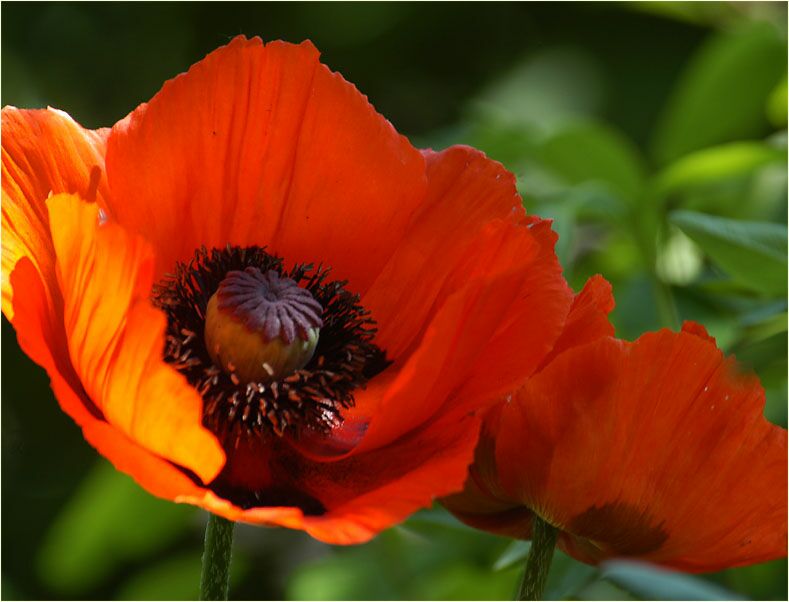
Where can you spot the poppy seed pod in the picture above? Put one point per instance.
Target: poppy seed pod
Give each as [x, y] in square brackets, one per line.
[261, 327]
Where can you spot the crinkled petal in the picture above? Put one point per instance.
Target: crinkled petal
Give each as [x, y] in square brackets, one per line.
[368, 493]
[44, 152]
[263, 145]
[466, 190]
[482, 289]
[588, 317]
[115, 338]
[155, 474]
[482, 503]
[527, 329]
[656, 449]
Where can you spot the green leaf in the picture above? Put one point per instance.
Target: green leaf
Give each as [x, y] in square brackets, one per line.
[109, 521]
[716, 164]
[514, 554]
[567, 577]
[753, 253]
[635, 311]
[603, 590]
[765, 354]
[760, 313]
[653, 583]
[771, 326]
[722, 94]
[592, 152]
[776, 410]
[764, 581]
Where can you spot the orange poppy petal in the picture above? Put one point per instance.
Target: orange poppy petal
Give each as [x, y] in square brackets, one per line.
[698, 330]
[526, 329]
[368, 493]
[659, 450]
[429, 464]
[588, 317]
[478, 509]
[264, 145]
[484, 285]
[497, 315]
[155, 474]
[466, 190]
[44, 152]
[115, 338]
[482, 503]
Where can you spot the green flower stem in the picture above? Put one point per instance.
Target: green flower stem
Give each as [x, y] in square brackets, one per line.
[215, 578]
[664, 300]
[543, 541]
[647, 222]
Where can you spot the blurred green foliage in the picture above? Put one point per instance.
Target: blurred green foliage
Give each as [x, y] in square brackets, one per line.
[653, 133]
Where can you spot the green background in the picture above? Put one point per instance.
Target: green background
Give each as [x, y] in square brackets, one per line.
[655, 135]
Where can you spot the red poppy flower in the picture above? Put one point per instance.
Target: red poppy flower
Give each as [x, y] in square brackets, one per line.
[656, 449]
[260, 177]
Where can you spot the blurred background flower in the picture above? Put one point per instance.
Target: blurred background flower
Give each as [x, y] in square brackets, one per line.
[655, 135]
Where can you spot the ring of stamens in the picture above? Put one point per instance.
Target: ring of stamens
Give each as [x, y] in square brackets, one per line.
[312, 397]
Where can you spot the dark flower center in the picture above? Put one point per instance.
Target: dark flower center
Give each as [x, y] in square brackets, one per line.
[280, 304]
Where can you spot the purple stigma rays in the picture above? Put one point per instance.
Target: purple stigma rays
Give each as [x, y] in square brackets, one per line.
[270, 304]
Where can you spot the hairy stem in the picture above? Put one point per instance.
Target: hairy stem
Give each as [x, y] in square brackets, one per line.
[543, 540]
[215, 578]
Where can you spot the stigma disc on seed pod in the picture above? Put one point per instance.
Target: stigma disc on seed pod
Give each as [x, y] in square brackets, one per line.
[261, 327]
